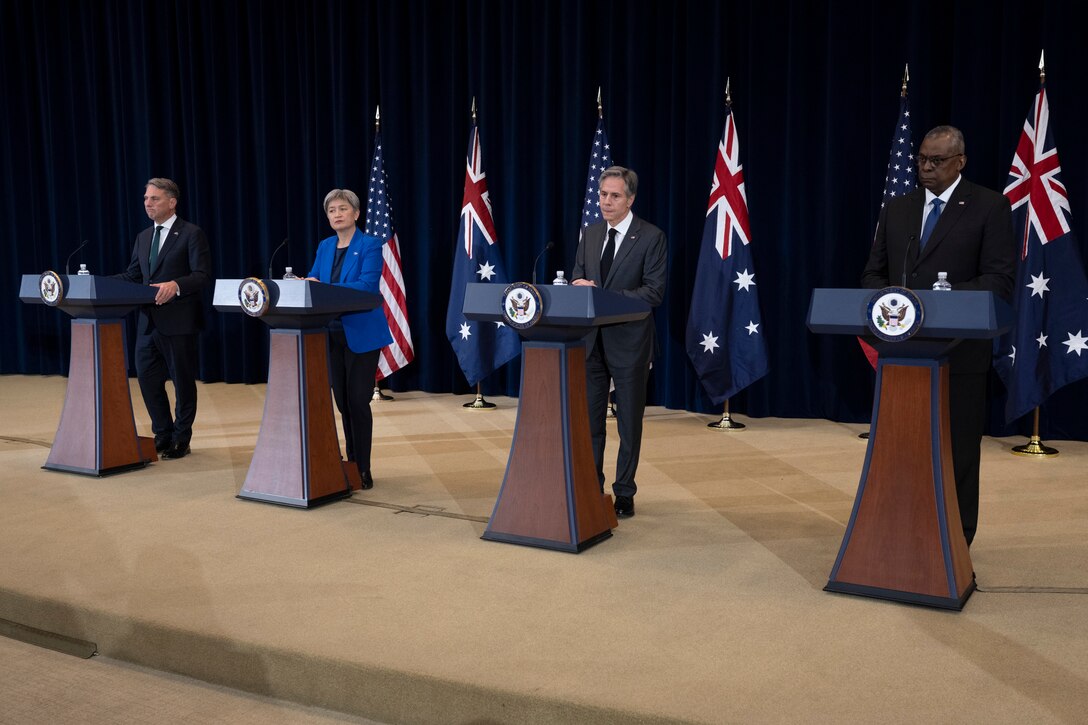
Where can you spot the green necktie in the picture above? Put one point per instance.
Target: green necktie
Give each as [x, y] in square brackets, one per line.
[154, 250]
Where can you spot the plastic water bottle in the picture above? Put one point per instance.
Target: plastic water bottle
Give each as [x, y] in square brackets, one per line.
[942, 282]
[289, 273]
[559, 278]
[83, 269]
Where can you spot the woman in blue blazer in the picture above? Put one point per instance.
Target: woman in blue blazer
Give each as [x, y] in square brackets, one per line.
[352, 259]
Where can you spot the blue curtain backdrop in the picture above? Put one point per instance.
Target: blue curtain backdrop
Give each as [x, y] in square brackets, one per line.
[258, 108]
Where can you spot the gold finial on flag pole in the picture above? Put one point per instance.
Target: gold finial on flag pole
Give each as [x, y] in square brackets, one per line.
[906, 79]
[474, 109]
[377, 118]
[1042, 67]
[729, 104]
[600, 108]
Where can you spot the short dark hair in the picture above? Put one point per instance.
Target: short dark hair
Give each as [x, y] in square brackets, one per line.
[630, 178]
[953, 133]
[166, 185]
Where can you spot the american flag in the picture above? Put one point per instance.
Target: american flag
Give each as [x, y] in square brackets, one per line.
[725, 335]
[1046, 347]
[379, 223]
[600, 158]
[900, 178]
[481, 347]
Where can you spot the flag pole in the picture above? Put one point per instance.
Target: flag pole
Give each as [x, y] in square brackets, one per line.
[378, 394]
[726, 423]
[903, 94]
[1035, 446]
[479, 403]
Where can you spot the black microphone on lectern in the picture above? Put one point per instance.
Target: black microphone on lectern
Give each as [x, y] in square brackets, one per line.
[906, 253]
[548, 246]
[81, 246]
[273, 257]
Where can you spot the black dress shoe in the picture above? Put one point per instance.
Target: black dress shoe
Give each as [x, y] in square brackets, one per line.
[161, 446]
[367, 481]
[625, 507]
[177, 450]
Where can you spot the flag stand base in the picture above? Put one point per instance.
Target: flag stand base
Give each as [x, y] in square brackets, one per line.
[864, 436]
[726, 423]
[1034, 448]
[479, 403]
[379, 395]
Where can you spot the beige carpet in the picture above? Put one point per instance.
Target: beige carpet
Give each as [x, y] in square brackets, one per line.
[706, 607]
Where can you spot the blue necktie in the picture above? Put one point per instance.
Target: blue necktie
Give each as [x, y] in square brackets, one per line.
[931, 222]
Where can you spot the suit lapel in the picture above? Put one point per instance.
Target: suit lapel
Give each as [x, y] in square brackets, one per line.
[629, 241]
[167, 244]
[953, 210]
[352, 257]
[594, 246]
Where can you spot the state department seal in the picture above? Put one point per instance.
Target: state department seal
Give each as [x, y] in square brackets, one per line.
[894, 314]
[51, 288]
[253, 296]
[522, 306]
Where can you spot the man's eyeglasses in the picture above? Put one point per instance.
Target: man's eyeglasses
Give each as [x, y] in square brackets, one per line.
[934, 161]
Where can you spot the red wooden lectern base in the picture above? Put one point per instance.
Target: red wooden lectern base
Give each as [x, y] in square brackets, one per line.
[297, 458]
[550, 496]
[904, 540]
[97, 431]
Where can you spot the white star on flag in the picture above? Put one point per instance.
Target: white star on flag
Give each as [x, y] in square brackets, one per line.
[1041, 339]
[486, 271]
[753, 327]
[465, 332]
[1038, 285]
[710, 342]
[1076, 343]
[744, 280]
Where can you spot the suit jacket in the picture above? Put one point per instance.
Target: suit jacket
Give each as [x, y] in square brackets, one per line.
[639, 269]
[361, 270]
[183, 258]
[972, 242]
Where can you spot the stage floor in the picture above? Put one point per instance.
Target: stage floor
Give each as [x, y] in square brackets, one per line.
[707, 606]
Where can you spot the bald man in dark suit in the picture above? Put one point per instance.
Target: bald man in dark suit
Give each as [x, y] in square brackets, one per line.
[971, 239]
[627, 255]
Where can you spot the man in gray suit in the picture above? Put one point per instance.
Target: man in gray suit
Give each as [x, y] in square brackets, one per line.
[627, 255]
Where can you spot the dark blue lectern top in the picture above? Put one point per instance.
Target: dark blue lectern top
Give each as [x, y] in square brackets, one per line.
[89, 296]
[298, 303]
[569, 310]
[955, 314]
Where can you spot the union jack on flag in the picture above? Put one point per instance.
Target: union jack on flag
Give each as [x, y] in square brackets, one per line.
[379, 223]
[724, 331]
[481, 347]
[1047, 347]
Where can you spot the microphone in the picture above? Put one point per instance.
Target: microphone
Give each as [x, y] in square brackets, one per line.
[81, 246]
[548, 246]
[906, 253]
[273, 257]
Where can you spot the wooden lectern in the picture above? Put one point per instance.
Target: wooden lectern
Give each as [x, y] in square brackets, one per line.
[904, 541]
[297, 459]
[550, 496]
[97, 431]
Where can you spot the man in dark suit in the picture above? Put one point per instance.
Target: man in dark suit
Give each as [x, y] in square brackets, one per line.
[173, 256]
[627, 255]
[950, 225]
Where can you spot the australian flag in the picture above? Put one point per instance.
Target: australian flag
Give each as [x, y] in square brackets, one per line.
[600, 158]
[481, 347]
[1047, 347]
[725, 329]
